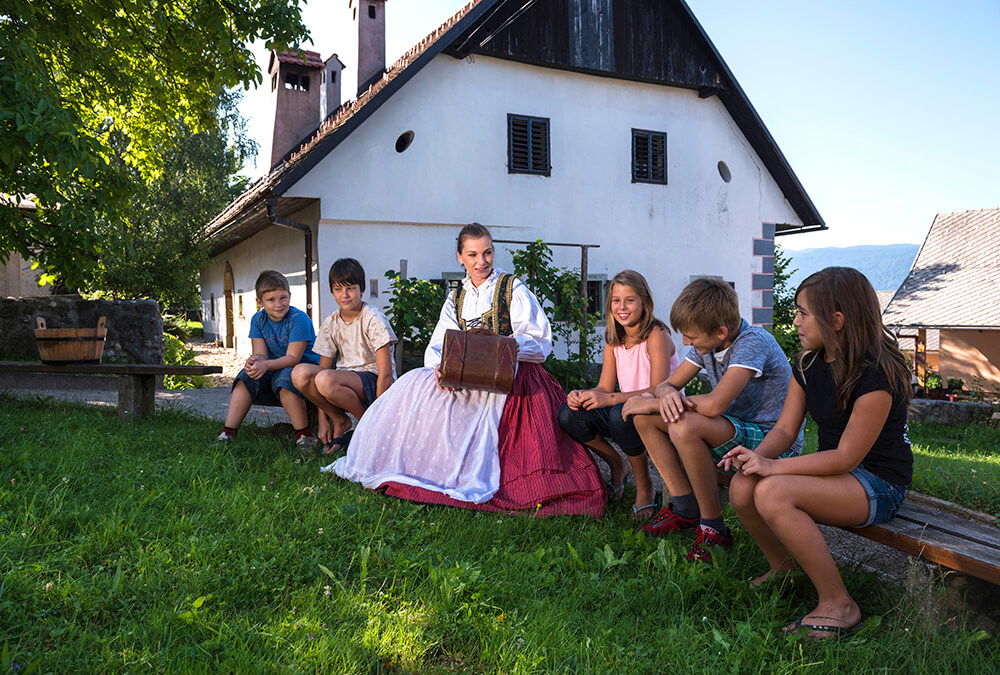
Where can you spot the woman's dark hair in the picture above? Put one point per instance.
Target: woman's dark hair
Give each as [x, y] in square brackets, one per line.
[862, 340]
[472, 231]
[347, 271]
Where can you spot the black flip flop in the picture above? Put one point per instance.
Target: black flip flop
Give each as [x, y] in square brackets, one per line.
[342, 441]
[836, 632]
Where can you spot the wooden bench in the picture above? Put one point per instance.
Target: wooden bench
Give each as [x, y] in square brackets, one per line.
[938, 531]
[136, 381]
[943, 533]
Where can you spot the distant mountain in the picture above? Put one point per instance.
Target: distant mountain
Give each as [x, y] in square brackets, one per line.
[885, 266]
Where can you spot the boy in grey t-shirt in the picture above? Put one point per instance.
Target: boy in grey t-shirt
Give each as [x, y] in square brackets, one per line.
[687, 435]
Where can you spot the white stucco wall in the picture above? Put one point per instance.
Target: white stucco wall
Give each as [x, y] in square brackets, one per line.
[379, 205]
[276, 248]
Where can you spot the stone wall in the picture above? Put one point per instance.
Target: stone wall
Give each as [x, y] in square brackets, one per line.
[949, 412]
[135, 328]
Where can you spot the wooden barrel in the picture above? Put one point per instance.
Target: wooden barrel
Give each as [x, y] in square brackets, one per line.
[70, 346]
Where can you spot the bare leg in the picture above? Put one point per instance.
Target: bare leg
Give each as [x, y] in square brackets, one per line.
[342, 391]
[239, 405]
[295, 408]
[653, 431]
[741, 497]
[619, 469]
[304, 378]
[693, 435]
[791, 506]
[643, 484]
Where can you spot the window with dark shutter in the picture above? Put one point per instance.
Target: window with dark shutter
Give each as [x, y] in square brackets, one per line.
[649, 156]
[528, 145]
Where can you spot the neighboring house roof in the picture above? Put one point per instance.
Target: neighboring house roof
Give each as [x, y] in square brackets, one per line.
[470, 30]
[955, 278]
[883, 298]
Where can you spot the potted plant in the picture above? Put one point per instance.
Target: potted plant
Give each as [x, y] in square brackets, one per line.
[933, 386]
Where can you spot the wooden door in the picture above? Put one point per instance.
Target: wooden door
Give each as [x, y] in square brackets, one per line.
[227, 287]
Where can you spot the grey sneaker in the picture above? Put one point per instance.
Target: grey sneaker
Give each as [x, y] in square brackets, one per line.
[306, 442]
[223, 437]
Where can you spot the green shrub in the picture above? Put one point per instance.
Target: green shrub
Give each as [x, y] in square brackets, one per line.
[176, 353]
[933, 380]
[558, 290]
[413, 311]
[177, 326]
[955, 384]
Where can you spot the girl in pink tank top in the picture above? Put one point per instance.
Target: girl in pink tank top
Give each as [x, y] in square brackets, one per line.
[638, 355]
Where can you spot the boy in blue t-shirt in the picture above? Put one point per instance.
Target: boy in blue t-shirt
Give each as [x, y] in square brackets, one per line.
[687, 435]
[282, 336]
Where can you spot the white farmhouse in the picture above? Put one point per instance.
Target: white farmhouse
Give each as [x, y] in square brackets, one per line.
[606, 122]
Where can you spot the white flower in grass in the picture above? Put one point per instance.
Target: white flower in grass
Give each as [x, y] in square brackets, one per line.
[326, 590]
[48, 586]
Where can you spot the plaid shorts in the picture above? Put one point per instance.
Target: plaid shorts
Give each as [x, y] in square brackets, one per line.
[748, 434]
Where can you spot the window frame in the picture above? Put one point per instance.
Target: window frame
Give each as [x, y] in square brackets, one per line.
[650, 150]
[531, 143]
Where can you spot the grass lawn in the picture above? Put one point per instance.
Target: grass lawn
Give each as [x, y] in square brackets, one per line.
[142, 546]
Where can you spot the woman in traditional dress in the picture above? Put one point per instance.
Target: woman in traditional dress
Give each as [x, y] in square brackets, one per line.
[477, 449]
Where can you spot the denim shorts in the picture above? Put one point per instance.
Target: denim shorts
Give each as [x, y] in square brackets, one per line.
[369, 385]
[264, 391]
[884, 498]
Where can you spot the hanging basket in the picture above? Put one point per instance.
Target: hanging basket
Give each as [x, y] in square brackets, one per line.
[70, 346]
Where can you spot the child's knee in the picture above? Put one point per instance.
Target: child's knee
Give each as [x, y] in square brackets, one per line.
[683, 430]
[301, 375]
[741, 490]
[325, 381]
[771, 495]
[569, 419]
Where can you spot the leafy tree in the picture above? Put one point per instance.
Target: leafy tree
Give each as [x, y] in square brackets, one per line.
[81, 76]
[157, 249]
[784, 304]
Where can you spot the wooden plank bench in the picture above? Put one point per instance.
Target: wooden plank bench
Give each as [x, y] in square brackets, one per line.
[942, 533]
[136, 381]
[937, 531]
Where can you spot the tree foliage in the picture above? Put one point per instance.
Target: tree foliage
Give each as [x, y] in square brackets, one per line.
[784, 304]
[413, 310]
[157, 249]
[80, 76]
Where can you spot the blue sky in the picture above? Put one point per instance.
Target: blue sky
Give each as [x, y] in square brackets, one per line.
[887, 110]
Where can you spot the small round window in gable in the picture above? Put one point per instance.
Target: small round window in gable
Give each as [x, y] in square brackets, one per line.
[724, 172]
[404, 140]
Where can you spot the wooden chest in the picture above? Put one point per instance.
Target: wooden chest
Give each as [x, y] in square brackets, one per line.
[478, 360]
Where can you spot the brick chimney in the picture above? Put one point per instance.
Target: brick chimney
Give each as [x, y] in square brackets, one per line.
[368, 17]
[297, 84]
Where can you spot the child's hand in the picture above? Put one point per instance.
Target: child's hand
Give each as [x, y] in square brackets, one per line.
[639, 405]
[592, 399]
[749, 463]
[573, 399]
[256, 367]
[734, 459]
[672, 403]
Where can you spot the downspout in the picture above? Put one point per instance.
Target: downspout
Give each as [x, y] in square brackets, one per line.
[272, 215]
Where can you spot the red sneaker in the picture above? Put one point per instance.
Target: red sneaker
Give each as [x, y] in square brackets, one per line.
[705, 541]
[666, 521]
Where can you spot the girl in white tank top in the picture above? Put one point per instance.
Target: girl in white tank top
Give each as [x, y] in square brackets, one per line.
[638, 355]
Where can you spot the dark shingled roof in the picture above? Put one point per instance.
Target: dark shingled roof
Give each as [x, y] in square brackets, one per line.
[955, 279]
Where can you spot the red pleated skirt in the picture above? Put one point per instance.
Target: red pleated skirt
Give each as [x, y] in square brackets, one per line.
[543, 472]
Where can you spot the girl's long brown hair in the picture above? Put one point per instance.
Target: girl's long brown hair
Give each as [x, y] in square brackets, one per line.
[862, 340]
[614, 334]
